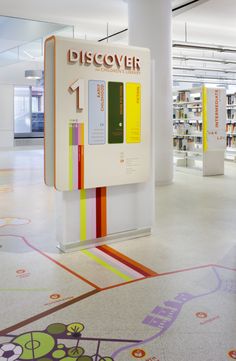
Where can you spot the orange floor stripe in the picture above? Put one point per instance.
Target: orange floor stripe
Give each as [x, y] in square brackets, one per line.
[147, 272]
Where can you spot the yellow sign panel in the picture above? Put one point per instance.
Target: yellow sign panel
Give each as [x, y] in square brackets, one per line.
[205, 120]
[133, 113]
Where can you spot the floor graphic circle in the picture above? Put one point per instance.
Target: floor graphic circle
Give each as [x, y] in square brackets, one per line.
[58, 354]
[56, 329]
[201, 315]
[55, 296]
[20, 271]
[32, 345]
[9, 351]
[75, 351]
[75, 328]
[138, 353]
[35, 344]
[232, 354]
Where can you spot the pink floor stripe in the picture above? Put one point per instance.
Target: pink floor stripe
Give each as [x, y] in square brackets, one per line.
[117, 264]
[91, 213]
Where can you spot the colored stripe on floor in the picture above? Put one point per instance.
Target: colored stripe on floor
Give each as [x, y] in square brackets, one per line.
[106, 265]
[121, 266]
[138, 267]
[47, 313]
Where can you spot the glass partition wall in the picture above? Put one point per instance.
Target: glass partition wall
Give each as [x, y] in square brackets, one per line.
[28, 112]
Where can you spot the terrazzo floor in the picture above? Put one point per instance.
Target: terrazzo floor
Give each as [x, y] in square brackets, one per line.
[175, 300]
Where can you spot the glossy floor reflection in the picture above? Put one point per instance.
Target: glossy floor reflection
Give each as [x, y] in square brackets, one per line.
[179, 304]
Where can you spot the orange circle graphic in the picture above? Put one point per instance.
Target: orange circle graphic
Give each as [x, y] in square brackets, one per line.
[201, 314]
[55, 296]
[138, 353]
[20, 271]
[232, 354]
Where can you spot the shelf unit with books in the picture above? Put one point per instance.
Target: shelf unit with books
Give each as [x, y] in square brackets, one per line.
[230, 153]
[199, 129]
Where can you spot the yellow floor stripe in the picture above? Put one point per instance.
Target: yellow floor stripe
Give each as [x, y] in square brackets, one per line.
[107, 266]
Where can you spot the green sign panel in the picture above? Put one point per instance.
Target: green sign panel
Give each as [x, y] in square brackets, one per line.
[115, 112]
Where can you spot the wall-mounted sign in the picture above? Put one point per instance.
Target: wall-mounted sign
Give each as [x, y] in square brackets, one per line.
[97, 114]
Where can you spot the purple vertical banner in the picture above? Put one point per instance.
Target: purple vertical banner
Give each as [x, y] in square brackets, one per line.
[75, 134]
[75, 154]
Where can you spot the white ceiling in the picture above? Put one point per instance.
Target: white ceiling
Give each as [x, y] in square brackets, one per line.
[15, 32]
[207, 21]
[212, 21]
[67, 11]
[216, 13]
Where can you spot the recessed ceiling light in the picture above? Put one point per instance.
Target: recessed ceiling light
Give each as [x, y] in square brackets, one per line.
[33, 74]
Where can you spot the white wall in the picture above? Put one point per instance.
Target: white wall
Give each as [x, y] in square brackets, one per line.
[6, 115]
[14, 74]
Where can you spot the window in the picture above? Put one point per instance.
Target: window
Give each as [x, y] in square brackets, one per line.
[28, 111]
[22, 110]
[37, 109]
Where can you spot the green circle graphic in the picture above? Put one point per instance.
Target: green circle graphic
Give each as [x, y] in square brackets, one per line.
[56, 329]
[75, 327]
[75, 351]
[35, 344]
[58, 354]
[32, 345]
[85, 358]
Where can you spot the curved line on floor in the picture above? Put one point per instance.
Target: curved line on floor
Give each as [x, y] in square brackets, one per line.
[158, 334]
[75, 274]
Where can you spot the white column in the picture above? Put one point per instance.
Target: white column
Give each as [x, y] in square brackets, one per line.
[150, 26]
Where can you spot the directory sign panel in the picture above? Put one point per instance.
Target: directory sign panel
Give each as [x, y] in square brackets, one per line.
[97, 114]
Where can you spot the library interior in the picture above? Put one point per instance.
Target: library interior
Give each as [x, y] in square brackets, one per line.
[118, 121]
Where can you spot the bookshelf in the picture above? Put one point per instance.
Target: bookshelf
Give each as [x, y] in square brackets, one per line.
[230, 153]
[199, 129]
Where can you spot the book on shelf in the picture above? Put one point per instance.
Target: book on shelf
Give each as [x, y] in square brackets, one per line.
[190, 144]
[231, 99]
[231, 141]
[199, 120]
[183, 96]
[231, 128]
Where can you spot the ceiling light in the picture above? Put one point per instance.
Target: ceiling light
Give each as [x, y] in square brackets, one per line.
[203, 77]
[28, 54]
[33, 74]
[182, 45]
[216, 70]
[202, 59]
[199, 46]
[202, 81]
